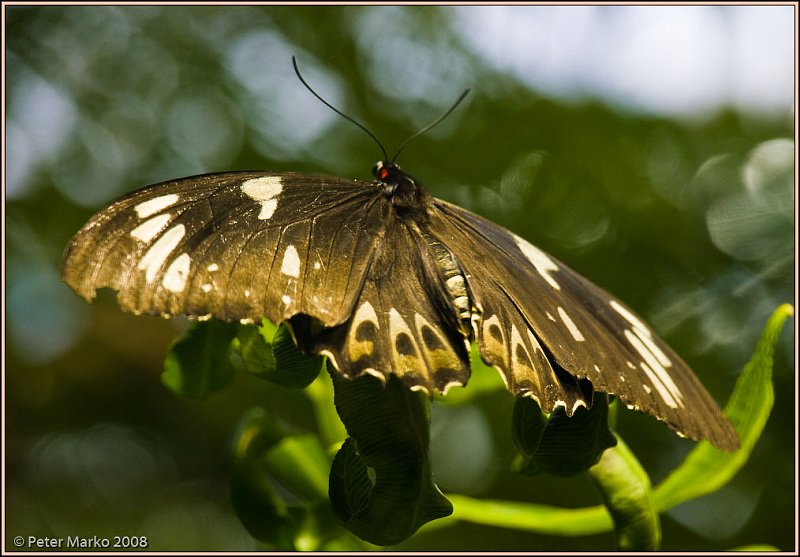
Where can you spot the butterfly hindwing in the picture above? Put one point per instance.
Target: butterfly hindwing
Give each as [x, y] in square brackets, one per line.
[403, 322]
[240, 245]
[580, 327]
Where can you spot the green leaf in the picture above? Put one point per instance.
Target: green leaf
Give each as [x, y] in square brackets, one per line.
[381, 486]
[301, 464]
[198, 362]
[625, 488]
[527, 425]
[264, 514]
[267, 453]
[254, 345]
[706, 468]
[293, 369]
[561, 445]
[270, 353]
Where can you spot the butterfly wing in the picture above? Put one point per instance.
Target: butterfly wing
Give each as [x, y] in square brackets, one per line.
[579, 327]
[235, 245]
[326, 254]
[404, 323]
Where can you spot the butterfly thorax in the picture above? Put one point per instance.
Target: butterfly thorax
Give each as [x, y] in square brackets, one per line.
[407, 195]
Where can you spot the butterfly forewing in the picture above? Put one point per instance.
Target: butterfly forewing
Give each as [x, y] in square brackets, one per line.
[581, 328]
[242, 245]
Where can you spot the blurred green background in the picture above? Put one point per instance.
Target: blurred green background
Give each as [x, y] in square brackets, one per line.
[663, 173]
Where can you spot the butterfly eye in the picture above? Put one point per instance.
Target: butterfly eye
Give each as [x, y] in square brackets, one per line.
[380, 171]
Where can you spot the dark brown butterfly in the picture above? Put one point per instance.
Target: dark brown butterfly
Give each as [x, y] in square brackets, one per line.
[384, 279]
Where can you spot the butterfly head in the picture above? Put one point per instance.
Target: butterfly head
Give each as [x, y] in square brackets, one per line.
[406, 193]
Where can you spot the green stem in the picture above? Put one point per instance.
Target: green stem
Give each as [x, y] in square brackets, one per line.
[625, 488]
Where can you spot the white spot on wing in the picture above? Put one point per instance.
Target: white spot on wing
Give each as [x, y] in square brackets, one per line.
[149, 228]
[655, 361]
[206, 288]
[660, 387]
[159, 251]
[535, 342]
[664, 384]
[177, 273]
[573, 330]
[578, 403]
[642, 332]
[365, 312]
[450, 385]
[497, 346]
[265, 190]
[544, 265]
[152, 206]
[376, 373]
[291, 262]
[317, 265]
[213, 267]
[403, 363]
[654, 349]
[286, 299]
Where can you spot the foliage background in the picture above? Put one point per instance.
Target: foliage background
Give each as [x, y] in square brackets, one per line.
[687, 217]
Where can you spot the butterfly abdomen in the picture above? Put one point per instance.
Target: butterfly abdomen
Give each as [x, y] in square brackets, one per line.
[455, 283]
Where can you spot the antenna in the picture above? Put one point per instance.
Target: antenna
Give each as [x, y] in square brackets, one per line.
[372, 135]
[430, 126]
[339, 112]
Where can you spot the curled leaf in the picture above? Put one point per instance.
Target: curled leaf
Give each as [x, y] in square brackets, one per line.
[560, 444]
[381, 486]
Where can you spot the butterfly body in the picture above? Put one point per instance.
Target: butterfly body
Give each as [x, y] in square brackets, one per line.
[384, 279]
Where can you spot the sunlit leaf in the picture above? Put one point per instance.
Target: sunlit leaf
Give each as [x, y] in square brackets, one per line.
[270, 353]
[706, 468]
[254, 346]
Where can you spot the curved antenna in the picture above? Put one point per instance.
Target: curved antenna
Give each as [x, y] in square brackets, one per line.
[339, 112]
[429, 126]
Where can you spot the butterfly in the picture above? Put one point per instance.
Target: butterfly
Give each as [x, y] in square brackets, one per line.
[385, 279]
